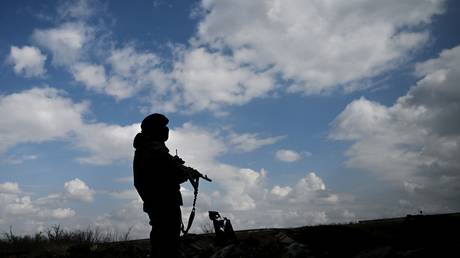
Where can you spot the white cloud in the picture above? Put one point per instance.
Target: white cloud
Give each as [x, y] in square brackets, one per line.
[310, 183]
[188, 138]
[65, 42]
[128, 179]
[246, 200]
[125, 72]
[17, 159]
[127, 217]
[13, 202]
[414, 143]
[312, 47]
[241, 191]
[237, 184]
[211, 80]
[412, 187]
[63, 213]
[317, 44]
[77, 189]
[59, 213]
[243, 48]
[309, 189]
[244, 193]
[29, 215]
[248, 142]
[106, 143]
[120, 88]
[237, 192]
[10, 188]
[37, 115]
[93, 76]
[130, 194]
[20, 206]
[76, 44]
[51, 199]
[131, 70]
[128, 62]
[44, 114]
[121, 74]
[27, 61]
[287, 155]
[76, 9]
[281, 191]
[199, 80]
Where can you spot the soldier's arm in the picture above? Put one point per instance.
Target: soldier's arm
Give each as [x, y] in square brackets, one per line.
[184, 173]
[180, 172]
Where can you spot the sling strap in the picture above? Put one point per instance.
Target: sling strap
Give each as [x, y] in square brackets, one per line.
[194, 182]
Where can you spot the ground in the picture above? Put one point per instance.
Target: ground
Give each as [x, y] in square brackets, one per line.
[410, 236]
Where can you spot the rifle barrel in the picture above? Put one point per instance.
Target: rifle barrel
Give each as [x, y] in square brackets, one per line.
[205, 177]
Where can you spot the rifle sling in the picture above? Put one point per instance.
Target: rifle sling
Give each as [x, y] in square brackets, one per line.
[184, 230]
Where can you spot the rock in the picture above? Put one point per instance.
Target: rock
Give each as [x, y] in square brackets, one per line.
[297, 250]
[284, 239]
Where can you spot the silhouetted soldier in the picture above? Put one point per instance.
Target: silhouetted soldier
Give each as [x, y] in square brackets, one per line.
[157, 178]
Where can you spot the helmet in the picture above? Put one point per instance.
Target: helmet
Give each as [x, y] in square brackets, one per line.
[155, 126]
[154, 121]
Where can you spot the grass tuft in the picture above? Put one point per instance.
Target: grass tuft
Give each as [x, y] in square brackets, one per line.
[56, 240]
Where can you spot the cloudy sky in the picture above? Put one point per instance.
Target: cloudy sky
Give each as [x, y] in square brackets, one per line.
[302, 112]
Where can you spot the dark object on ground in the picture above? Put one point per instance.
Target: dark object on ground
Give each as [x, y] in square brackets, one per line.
[222, 228]
[411, 236]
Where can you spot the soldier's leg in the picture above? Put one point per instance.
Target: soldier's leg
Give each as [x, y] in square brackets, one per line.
[165, 234]
[171, 232]
[155, 234]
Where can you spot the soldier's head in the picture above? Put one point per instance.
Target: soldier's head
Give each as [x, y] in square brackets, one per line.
[155, 125]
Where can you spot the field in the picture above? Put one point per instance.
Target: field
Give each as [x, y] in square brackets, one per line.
[410, 236]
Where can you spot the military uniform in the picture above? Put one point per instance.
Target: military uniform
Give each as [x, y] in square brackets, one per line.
[157, 179]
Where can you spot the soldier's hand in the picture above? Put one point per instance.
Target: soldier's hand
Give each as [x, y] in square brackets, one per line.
[195, 173]
[178, 160]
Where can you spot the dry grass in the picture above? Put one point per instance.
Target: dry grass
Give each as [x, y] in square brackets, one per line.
[55, 240]
[59, 235]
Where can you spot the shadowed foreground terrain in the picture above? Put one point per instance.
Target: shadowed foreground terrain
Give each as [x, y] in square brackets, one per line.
[411, 236]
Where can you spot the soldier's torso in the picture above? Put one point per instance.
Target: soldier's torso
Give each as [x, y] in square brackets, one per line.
[154, 175]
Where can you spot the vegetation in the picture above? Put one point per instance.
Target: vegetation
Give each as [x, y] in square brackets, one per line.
[57, 242]
[411, 236]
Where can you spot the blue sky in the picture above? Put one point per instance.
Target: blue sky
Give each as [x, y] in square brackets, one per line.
[304, 112]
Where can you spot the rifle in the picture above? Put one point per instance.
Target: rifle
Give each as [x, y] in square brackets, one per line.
[192, 173]
[193, 176]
